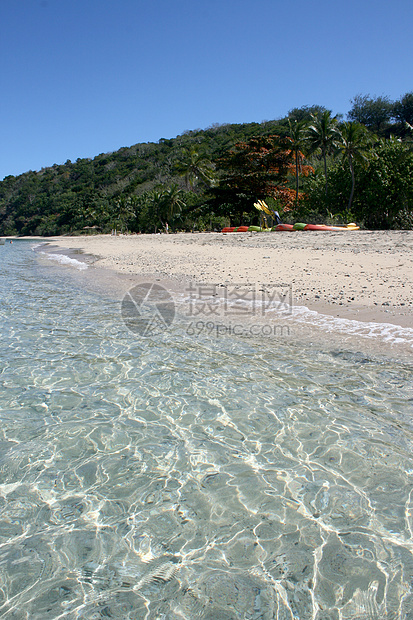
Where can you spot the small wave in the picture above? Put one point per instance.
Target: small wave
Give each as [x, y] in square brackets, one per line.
[386, 331]
[38, 245]
[66, 260]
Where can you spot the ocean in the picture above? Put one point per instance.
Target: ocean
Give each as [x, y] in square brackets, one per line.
[175, 473]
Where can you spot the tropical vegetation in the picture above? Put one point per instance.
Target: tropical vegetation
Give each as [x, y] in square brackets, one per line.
[310, 165]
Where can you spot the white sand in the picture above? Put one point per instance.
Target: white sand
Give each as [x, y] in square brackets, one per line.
[361, 274]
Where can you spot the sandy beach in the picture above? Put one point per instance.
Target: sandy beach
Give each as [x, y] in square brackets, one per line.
[363, 275]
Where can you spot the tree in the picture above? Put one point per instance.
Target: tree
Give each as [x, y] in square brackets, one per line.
[323, 136]
[154, 205]
[375, 113]
[386, 197]
[298, 135]
[255, 170]
[160, 206]
[403, 113]
[171, 204]
[195, 166]
[306, 113]
[124, 211]
[354, 147]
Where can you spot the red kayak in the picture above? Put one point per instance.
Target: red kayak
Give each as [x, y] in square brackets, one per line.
[317, 227]
[228, 229]
[284, 227]
[332, 228]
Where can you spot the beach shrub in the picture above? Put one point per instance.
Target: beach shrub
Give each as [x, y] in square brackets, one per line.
[387, 186]
[404, 219]
[339, 188]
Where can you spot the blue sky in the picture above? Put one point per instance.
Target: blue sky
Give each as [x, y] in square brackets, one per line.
[83, 77]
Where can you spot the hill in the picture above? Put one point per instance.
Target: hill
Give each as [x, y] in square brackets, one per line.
[309, 165]
[67, 198]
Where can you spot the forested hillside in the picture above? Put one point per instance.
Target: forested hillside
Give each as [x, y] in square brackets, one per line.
[309, 165]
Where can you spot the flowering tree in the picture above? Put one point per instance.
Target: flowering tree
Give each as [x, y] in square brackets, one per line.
[256, 170]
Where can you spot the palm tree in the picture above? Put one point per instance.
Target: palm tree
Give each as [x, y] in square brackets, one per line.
[194, 166]
[125, 211]
[154, 202]
[323, 136]
[298, 134]
[172, 202]
[354, 145]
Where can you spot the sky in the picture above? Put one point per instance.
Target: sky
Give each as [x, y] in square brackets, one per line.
[84, 77]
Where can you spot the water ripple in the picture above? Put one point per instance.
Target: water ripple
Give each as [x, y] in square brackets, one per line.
[181, 478]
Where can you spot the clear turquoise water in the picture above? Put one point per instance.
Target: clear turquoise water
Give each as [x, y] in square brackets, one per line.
[178, 477]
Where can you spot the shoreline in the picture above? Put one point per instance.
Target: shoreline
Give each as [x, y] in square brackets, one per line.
[362, 275]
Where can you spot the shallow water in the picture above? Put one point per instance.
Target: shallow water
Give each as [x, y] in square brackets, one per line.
[181, 476]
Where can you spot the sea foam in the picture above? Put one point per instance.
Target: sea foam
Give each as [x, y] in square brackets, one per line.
[65, 260]
[388, 332]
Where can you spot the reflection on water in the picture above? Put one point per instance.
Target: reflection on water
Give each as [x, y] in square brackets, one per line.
[180, 477]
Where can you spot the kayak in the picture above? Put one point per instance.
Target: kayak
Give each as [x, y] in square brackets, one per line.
[229, 229]
[284, 227]
[235, 229]
[302, 226]
[331, 228]
[289, 227]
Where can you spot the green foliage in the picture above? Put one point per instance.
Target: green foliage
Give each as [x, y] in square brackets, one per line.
[306, 113]
[298, 134]
[202, 179]
[113, 190]
[386, 199]
[403, 114]
[196, 167]
[354, 143]
[253, 170]
[384, 182]
[324, 206]
[323, 136]
[374, 113]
